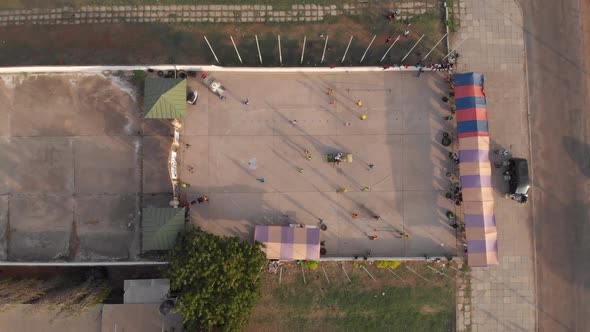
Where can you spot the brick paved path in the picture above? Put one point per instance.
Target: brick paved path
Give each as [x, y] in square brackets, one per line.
[201, 13]
[500, 298]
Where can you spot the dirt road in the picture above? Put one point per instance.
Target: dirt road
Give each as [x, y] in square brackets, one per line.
[559, 116]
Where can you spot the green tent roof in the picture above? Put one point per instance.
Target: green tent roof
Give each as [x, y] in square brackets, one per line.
[160, 227]
[164, 98]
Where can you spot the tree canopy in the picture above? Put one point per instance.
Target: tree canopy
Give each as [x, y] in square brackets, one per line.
[217, 279]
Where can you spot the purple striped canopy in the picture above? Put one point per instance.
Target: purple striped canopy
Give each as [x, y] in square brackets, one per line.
[475, 169]
[288, 243]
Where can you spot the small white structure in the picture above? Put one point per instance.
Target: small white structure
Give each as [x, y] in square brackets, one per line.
[146, 290]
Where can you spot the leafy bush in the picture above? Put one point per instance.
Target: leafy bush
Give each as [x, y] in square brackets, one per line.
[217, 278]
[311, 265]
[387, 264]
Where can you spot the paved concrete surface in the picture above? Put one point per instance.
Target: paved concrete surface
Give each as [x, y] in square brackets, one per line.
[203, 13]
[69, 168]
[500, 298]
[559, 68]
[231, 145]
[21, 318]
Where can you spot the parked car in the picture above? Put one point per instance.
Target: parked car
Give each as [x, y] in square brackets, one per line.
[519, 184]
[191, 97]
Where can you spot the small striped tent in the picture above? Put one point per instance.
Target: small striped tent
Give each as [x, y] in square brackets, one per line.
[475, 170]
[288, 243]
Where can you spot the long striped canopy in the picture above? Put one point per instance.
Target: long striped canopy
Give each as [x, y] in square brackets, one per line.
[288, 243]
[475, 169]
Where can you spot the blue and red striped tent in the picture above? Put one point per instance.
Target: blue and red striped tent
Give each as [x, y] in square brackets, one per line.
[475, 169]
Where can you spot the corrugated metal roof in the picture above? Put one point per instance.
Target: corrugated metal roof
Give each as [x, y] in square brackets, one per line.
[165, 98]
[160, 227]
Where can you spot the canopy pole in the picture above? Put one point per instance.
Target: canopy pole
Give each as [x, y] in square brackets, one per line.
[410, 51]
[395, 41]
[303, 274]
[324, 52]
[280, 54]
[346, 51]
[303, 49]
[238, 53]
[456, 47]
[369, 273]
[346, 274]
[211, 48]
[395, 274]
[435, 45]
[367, 50]
[258, 46]
[418, 274]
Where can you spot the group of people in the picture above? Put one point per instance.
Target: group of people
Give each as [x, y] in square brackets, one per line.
[455, 194]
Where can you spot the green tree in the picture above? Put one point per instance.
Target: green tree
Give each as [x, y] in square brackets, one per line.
[217, 279]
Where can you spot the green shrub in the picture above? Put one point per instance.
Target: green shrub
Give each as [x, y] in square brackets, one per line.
[387, 264]
[311, 265]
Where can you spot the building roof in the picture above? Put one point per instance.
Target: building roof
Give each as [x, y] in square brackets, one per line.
[145, 290]
[164, 98]
[138, 318]
[160, 227]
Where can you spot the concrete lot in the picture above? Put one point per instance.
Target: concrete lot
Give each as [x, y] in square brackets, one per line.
[232, 145]
[76, 158]
[69, 169]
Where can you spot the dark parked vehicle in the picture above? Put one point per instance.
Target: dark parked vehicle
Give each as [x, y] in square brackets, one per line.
[519, 183]
[191, 97]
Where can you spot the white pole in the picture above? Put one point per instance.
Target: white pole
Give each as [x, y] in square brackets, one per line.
[258, 46]
[395, 274]
[303, 49]
[367, 50]
[412, 48]
[456, 47]
[386, 52]
[303, 274]
[440, 272]
[346, 274]
[346, 51]
[324, 52]
[211, 48]
[238, 53]
[328, 280]
[418, 274]
[364, 268]
[280, 54]
[435, 45]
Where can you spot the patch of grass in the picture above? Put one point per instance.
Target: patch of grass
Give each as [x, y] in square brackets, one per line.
[183, 43]
[384, 304]
[453, 19]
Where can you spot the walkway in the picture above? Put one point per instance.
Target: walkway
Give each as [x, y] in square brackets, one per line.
[201, 13]
[500, 298]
